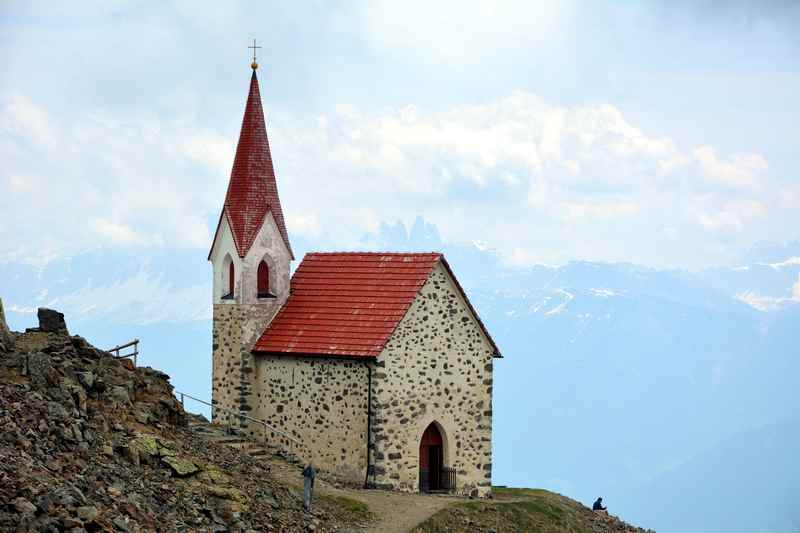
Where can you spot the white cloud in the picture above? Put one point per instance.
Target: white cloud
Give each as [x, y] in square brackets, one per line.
[541, 182]
[770, 303]
[740, 171]
[104, 180]
[141, 299]
[790, 262]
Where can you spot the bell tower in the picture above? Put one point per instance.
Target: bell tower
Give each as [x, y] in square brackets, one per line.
[250, 256]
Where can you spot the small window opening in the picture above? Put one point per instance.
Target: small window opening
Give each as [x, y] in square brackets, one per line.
[231, 279]
[263, 281]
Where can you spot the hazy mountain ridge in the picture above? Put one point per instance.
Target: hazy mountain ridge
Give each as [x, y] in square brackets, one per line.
[638, 378]
[615, 376]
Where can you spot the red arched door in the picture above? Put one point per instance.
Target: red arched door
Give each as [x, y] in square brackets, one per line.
[431, 459]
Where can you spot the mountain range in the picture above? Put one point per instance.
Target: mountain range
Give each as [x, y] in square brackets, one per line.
[672, 394]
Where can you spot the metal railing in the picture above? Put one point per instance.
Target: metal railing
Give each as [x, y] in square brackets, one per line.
[117, 349]
[447, 478]
[444, 480]
[268, 428]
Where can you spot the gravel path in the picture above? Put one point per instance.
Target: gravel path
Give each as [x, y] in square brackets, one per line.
[396, 512]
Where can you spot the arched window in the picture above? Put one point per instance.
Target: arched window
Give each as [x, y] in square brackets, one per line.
[263, 280]
[231, 279]
[228, 278]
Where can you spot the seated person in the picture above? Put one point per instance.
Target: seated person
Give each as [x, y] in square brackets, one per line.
[598, 505]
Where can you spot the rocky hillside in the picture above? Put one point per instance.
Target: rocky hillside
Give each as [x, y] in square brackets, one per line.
[89, 443]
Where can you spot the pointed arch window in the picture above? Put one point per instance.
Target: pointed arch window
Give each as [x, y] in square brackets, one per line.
[263, 281]
[230, 279]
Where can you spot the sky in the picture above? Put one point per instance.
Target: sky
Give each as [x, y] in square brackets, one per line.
[658, 133]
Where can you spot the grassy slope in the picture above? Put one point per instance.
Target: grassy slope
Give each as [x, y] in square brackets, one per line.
[529, 510]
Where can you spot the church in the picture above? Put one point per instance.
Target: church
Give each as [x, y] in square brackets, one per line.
[376, 362]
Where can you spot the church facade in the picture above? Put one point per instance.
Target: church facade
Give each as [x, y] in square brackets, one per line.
[376, 362]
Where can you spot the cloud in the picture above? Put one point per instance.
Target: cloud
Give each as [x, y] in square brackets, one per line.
[770, 303]
[141, 299]
[740, 171]
[517, 171]
[521, 173]
[103, 179]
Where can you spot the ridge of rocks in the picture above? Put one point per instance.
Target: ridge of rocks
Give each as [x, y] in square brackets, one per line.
[89, 443]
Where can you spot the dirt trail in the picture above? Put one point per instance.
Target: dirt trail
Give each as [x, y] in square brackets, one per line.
[396, 512]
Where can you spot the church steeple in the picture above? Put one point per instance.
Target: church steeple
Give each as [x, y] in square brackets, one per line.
[253, 190]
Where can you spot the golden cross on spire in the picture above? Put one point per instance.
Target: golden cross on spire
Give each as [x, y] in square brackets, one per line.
[254, 65]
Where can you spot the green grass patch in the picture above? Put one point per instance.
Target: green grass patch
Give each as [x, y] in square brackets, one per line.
[511, 510]
[346, 509]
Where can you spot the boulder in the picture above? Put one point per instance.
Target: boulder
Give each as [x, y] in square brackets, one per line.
[6, 338]
[51, 321]
[180, 467]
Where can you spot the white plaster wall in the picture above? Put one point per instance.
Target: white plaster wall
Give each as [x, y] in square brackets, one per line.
[269, 246]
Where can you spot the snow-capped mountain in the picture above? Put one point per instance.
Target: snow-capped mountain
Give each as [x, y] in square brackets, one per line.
[617, 380]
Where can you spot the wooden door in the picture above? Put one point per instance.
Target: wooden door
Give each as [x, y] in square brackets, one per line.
[430, 459]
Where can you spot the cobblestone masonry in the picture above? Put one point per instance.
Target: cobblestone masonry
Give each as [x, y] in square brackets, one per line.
[322, 402]
[436, 367]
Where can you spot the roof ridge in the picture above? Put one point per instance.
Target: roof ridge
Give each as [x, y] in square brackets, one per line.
[374, 253]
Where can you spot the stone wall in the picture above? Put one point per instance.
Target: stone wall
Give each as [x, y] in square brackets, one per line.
[323, 403]
[437, 367]
[226, 368]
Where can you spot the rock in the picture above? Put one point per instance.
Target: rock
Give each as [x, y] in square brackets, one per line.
[71, 523]
[141, 415]
[56, 411]
[131, 454]
[87, 513]
[215, 476]
[107, 450]
[23, 506]
[227, 493]
[119, 395]
[39, 369]
[86, 379]
[51, 321]
[123, 523]
[6, 338]
[180, 467]
[271, 501]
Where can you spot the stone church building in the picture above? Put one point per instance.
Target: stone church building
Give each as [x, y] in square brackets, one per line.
[376, 362]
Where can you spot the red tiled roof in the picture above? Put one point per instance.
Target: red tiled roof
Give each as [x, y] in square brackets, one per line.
[252, 189]
[348, 304]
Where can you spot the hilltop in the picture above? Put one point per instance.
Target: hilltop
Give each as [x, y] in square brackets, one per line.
[90, 443]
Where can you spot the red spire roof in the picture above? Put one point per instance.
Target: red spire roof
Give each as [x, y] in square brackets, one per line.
[252, 190]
